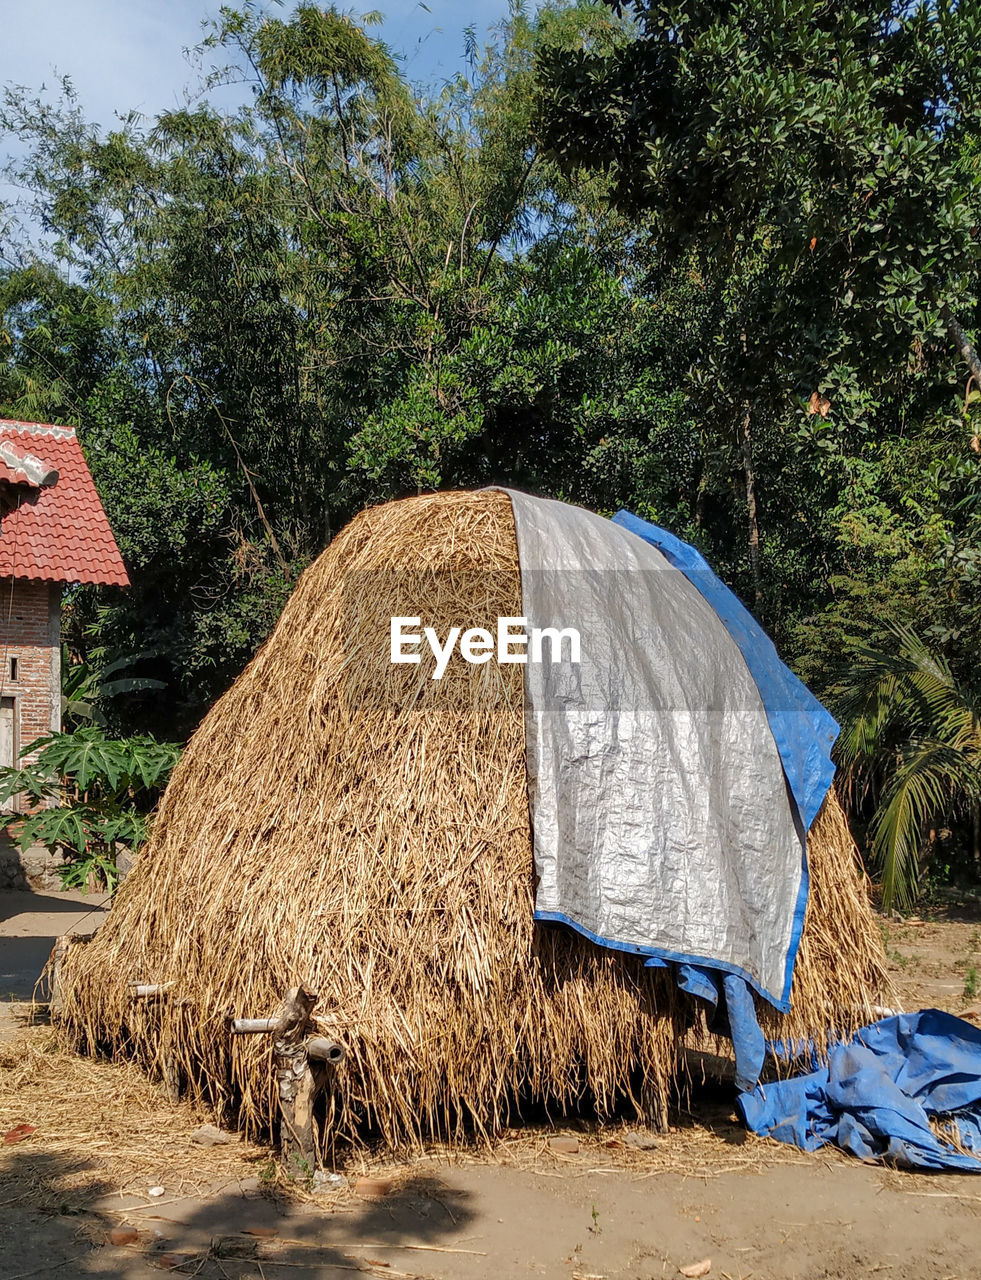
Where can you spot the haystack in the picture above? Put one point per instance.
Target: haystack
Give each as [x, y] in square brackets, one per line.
[364, 830]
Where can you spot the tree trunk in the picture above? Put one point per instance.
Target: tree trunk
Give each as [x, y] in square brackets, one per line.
[298, 1083]
[963, 343]
[700, 495]
[753, 528]
[969, 355]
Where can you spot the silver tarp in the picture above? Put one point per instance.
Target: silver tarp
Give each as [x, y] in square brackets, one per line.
[662, 820]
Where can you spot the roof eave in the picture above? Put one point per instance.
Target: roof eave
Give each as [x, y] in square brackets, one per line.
[68, 579]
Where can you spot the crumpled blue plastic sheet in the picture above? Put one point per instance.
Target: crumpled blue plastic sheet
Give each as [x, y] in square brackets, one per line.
[732, 1013]
[876, 1094]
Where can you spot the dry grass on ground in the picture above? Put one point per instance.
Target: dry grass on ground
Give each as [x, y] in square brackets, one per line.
[101, 1128]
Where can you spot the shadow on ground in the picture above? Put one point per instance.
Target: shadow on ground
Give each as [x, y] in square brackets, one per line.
[29, 925]
[52, 1227]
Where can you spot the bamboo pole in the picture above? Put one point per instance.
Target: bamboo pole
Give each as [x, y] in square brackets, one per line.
[252, 1026]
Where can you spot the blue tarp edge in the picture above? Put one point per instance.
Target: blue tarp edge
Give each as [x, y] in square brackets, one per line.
[660, 953]
[803, 729]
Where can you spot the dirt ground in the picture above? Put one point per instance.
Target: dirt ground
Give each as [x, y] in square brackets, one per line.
[608, 1209]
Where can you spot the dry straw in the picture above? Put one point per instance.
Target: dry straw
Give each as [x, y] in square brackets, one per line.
[100, 1128]
[364, 829]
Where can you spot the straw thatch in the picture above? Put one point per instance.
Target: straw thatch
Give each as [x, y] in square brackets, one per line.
[360, 827]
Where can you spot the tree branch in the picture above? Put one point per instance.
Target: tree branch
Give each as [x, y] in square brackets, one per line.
[962, 342]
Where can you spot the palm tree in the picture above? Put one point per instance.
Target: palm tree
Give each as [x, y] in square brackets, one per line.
[87, 683]
[911, 740]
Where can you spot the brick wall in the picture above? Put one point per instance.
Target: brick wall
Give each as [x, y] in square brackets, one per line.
[30, 634]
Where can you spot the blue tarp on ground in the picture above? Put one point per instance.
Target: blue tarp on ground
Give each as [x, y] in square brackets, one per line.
[804, 731]
[877, 1093]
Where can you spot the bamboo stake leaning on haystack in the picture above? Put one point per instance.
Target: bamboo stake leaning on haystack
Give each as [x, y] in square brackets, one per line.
[365, 827]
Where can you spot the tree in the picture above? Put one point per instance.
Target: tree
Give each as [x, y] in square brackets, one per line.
[819, 160]
[54, 343]
[309, 304]
[911, 742]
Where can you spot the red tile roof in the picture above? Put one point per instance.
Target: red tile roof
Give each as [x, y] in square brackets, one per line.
[59, 534]
[20, 467]
[11, 476]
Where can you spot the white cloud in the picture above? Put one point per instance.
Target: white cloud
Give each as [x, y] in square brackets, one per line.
[120, 55]
[128, 54]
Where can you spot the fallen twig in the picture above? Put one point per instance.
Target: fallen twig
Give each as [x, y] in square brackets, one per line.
[430, 1248]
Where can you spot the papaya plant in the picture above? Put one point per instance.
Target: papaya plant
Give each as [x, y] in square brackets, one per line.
[89, 797]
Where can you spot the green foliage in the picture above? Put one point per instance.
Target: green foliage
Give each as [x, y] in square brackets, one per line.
[845, 137]
[91, 796]
[820, 166]
[971, 984]
[912, 739]
[87, 686]
[56, 339]
[702, 260]
[565, 387]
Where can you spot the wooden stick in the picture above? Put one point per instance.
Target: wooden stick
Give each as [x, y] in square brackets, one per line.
[301, 1066]
[323, 1050]
[143, 990]
[298, 1082]
[56, 1002]
[171, 1078]
[429, 1248]
[252, 1026]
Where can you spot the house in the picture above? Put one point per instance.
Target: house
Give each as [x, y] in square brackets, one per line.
[53, 532]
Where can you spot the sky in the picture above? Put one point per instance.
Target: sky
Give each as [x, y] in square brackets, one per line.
[124, 55]
[129, 54]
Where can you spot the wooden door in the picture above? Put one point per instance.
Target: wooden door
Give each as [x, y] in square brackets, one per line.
[8, 743]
